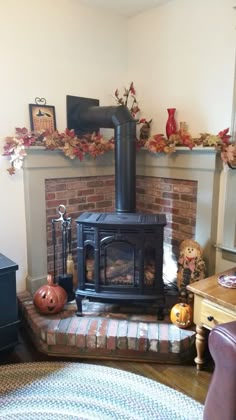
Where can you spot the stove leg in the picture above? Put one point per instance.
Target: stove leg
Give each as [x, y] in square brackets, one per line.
[160, 314]
[79, 306]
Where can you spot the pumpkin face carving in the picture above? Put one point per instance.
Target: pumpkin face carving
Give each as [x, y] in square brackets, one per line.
[181, 315]
[51, 298]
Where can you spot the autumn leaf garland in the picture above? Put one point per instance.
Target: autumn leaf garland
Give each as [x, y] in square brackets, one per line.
[68, 142]
[95, 145]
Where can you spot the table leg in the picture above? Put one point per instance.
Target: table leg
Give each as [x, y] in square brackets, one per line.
[200, 346]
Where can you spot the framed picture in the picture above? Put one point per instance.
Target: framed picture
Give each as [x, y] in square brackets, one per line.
[42, 117]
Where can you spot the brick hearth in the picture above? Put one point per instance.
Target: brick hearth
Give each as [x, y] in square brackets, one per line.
[106, 331]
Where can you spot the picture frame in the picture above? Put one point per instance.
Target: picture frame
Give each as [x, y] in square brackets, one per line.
[42, 117]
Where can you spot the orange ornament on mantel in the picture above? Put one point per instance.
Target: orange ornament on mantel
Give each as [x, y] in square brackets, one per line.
[181, 315]
[51, 298]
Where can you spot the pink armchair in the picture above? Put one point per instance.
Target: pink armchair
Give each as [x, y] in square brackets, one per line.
[220, 402]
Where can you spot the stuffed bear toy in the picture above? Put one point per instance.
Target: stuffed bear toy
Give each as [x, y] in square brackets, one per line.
[191, 267]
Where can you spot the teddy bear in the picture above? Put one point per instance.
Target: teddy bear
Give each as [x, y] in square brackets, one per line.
[191, 267]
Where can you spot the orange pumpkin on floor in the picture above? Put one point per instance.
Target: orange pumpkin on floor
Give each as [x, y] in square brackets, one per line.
[181, 315]
[51, 298]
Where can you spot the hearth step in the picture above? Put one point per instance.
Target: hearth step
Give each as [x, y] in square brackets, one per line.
[106, 331]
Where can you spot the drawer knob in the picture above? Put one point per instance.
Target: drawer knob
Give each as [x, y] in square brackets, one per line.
[210, 318]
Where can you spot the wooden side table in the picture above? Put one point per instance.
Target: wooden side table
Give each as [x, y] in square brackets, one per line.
[213, 305]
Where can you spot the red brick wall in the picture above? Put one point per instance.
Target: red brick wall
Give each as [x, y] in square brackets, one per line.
[77, 195]
[175, 198]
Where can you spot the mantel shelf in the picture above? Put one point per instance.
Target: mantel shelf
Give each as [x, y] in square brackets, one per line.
[178, 149]
[203, 158]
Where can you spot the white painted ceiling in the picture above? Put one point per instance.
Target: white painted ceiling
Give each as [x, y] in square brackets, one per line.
[124, 7]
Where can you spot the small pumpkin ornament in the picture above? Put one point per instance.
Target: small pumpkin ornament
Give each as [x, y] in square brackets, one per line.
[181, 315]
[50, 298]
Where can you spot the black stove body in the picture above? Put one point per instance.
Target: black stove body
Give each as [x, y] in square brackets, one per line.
[120, 254]
[120, 258]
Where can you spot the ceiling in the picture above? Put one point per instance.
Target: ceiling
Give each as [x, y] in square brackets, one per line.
[124, 7]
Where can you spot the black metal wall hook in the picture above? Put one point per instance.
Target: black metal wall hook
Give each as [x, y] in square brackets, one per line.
[40, 101]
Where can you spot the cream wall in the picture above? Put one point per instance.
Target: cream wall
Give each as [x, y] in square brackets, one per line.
[50, 49]
[182, 55]
[178, 55]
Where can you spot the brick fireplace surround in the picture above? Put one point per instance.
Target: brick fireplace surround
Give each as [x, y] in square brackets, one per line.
[174, 198]
[184, 186]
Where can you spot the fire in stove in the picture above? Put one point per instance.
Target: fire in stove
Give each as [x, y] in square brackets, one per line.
[118, 267]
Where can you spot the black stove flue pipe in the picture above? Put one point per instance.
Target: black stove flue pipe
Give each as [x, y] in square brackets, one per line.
[119, 118]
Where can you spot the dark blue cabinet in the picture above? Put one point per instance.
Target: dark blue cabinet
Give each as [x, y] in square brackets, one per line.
[8, 304]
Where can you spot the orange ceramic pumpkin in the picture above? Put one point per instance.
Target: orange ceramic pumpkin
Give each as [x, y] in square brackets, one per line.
[51, 298]
[181, 315]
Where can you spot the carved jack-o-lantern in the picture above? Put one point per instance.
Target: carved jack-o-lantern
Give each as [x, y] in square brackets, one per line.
[51, 298]
[181, 315]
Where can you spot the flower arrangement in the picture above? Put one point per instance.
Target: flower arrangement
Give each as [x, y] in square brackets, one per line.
[94, 145]
[129, 99]
[158, 143]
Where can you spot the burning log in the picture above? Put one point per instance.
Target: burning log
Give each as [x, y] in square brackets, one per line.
[120, 272]
[120, 268]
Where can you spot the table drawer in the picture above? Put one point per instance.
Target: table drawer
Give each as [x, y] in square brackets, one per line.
[212, 315]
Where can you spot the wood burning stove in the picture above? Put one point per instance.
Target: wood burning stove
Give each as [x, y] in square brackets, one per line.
[120, 258]
[119, 255]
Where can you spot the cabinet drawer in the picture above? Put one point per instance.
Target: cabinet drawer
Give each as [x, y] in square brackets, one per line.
[8, 336]
[212, 315]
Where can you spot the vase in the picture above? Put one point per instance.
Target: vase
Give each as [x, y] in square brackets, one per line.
[171, 127]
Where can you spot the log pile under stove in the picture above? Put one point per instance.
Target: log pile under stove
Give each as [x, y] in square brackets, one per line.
[120, 254]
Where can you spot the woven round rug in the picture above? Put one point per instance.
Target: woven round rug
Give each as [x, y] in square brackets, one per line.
[65, 390]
